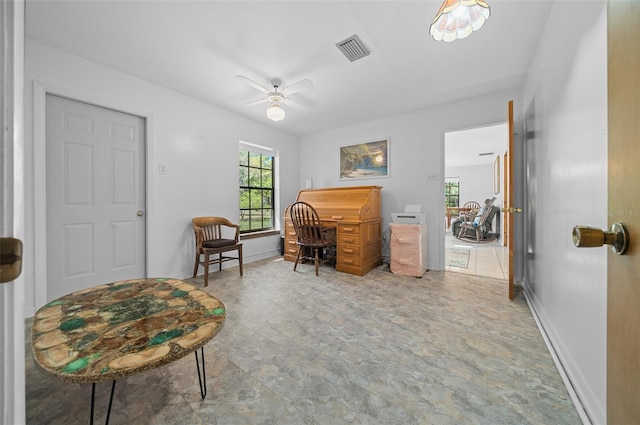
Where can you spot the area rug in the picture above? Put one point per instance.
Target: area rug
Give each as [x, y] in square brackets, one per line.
[457, 257]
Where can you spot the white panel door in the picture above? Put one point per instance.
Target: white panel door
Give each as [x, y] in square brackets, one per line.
[95, 196]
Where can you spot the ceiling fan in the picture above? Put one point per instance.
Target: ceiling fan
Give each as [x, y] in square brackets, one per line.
[277, 96]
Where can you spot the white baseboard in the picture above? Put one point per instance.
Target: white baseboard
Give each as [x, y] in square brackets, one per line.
[556, 360]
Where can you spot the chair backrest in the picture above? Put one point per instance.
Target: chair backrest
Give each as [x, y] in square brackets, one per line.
[472, 204]
[211, 228]
[306, 222]
[486, 218]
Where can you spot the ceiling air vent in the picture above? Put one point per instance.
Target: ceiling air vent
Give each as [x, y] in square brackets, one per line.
[353, 48]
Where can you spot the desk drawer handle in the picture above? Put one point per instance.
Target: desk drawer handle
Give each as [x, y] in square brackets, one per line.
[349, 240]
[348, 229]
[347, 250]
[348, 261]
[337, 217]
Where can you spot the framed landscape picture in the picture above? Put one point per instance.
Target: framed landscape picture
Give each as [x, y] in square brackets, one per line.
[367, 160]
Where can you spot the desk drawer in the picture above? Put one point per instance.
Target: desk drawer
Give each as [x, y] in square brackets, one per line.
[349, 250]
[349, 229]
[291, 250]
[289, 231]
[290, 234]
[348, 260]
[348, 239]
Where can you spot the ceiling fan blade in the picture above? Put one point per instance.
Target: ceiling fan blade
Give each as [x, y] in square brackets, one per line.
[296, 87]
[257, 102]
[292, 103]
[253, 84]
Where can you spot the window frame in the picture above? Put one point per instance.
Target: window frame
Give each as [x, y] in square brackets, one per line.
[450, 182]
[246, 168]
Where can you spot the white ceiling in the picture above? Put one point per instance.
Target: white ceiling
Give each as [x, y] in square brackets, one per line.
[464, 148]
[198, 47]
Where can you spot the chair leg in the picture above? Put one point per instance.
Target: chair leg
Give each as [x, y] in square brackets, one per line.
[297, 258]
[195, 268]
[316, 250]
[206, 269]
[240, 258]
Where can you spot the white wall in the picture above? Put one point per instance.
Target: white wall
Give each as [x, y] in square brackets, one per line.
[476, 182]
[416, 158]
[196, 142]
[566, 153]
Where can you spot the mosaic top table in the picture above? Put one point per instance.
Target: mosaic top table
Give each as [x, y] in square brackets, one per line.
[123, 328]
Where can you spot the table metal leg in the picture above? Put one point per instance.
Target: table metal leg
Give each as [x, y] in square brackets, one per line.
[201, 380]
[93, 397]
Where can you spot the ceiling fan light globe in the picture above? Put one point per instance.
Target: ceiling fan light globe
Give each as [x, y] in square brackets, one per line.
[457, 19]
[275, 113]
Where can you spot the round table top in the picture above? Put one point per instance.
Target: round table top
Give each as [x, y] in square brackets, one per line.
[123, 328]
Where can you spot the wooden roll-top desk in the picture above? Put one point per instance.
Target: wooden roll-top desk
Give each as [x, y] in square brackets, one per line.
[354, 212]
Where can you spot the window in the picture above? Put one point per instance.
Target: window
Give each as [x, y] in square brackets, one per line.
[452, 192]
[256, 166]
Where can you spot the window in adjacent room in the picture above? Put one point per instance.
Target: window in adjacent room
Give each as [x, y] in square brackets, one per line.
[452, 192]
[257, 190]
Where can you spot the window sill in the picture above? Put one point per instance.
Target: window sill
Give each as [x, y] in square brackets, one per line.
[259, 234]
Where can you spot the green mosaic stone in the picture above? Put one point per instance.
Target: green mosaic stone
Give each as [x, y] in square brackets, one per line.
[163, 337]
[133, 309]
[118, 287]
[72, 324]
[178, 293]
[218, 311]
[76, 365]
[86, 340]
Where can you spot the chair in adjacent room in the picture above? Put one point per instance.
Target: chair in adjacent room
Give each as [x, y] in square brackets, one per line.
[469, 211]
[478, 229]
[310, 236]
[215, 236]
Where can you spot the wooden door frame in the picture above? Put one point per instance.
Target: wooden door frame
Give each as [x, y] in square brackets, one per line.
[505, 187]
[508, 196]
[40, 92]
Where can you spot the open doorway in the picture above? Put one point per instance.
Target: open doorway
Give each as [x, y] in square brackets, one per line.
[474, 167]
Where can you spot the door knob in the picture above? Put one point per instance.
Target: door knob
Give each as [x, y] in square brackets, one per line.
[617, 237]
[512, 210]
[10, 259]
[140, 213]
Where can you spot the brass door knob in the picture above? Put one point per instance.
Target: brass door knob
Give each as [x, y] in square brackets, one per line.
[617, 237]
[512, 210]
[10, 259]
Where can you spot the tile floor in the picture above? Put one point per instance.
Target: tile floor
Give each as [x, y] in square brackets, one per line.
[489, 259]
[446, 348]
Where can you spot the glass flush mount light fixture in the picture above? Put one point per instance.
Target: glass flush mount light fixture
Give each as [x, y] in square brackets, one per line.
[456, 19]
[275, 113]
